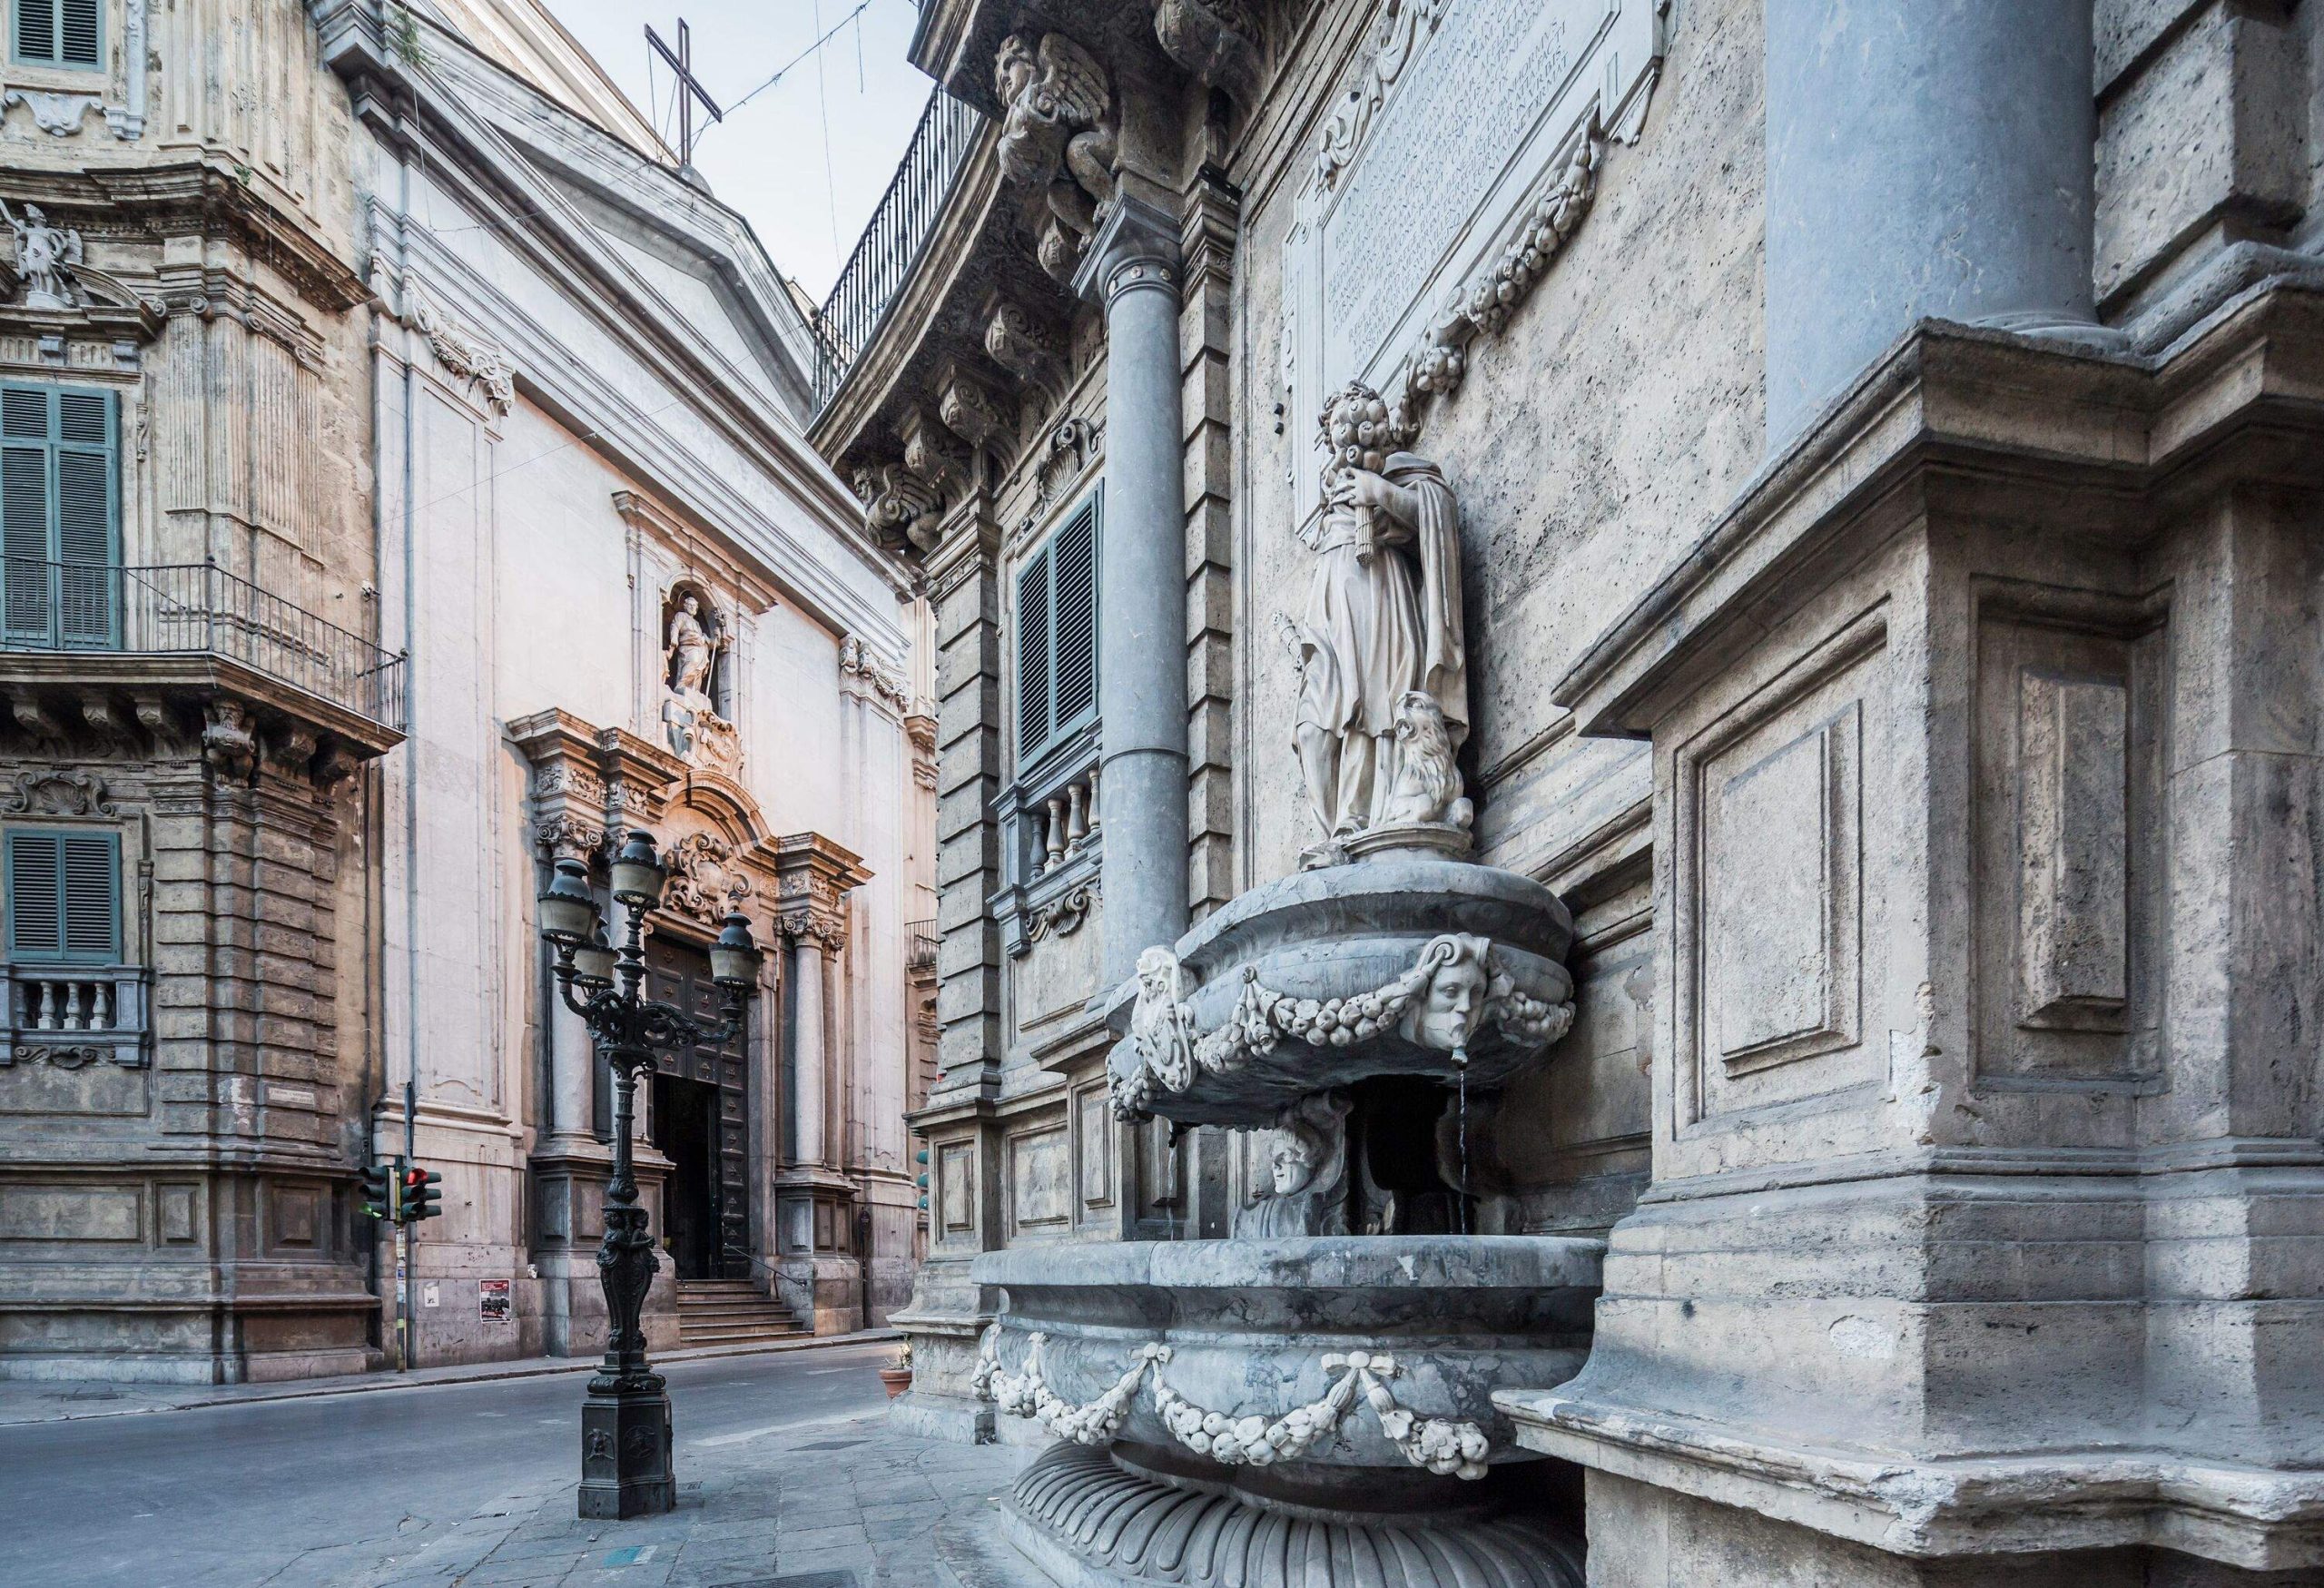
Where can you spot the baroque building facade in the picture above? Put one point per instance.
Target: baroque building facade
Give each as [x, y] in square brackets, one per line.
[1784, 535]
[406, 488]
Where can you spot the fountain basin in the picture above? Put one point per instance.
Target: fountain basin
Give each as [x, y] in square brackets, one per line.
[1258, 1329]
[1410, 964]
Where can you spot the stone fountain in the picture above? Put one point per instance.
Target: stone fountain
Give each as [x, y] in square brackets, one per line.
[1309, 1401]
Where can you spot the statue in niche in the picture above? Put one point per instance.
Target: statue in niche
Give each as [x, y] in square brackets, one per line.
[690, 716]
[1382, 626]
[45, 256]
[1307, 1188]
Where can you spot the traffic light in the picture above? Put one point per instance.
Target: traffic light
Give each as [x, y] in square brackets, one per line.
[378, 1191]
[420, 1194]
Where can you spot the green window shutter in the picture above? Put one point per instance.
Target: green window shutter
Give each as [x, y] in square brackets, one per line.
[60, 515]
[1034, 613]
[1073, 557]
[60, 33]
[36, 890]
[36, 30]
[65, 896]
[77, 26]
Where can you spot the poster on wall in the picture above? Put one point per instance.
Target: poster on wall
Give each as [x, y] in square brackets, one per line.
[492, 1300]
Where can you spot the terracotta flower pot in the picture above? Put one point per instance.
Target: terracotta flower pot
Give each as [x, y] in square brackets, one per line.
[897, 1379]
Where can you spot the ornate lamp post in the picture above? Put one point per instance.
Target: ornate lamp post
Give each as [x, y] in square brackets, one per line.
[626, 1468]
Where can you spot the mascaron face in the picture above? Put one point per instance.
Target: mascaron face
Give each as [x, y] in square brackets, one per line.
[1455, 1003]
[1288, 1168]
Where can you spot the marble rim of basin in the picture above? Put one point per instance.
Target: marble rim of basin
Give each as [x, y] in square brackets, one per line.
[1328, 977]
[1362, 1352]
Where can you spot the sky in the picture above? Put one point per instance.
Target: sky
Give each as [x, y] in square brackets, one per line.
[806, 193]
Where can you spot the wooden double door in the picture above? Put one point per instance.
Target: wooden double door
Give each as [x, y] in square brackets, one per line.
[702, 1124]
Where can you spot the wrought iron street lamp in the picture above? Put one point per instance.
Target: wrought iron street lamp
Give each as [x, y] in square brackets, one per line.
[626, 1467]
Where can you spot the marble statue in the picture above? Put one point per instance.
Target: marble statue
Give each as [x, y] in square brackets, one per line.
[45, 256]
[690, 715]
[1383, 624]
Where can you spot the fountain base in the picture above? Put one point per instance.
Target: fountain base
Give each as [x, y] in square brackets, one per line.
[1130, 1517]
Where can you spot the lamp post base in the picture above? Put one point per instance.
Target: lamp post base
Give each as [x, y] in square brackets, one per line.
[625, 1466]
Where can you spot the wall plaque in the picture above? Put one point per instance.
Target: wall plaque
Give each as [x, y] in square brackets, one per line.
[1461, 115]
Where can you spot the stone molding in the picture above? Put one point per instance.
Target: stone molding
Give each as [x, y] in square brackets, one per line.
[860, 669]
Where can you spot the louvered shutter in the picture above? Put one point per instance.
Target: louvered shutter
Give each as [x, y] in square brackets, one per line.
[1033, 675]
[85, 516]
[35, 888]
[78, 23]
[60, 496]
[65, 896]
[92, 896]
[1073, 558]
[24, 511]
[36, 31]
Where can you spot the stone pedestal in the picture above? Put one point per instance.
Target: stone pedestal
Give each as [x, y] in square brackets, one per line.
[626, 1427]
[1986, 749]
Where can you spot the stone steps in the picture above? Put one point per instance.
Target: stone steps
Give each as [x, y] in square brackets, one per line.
[730, 1312]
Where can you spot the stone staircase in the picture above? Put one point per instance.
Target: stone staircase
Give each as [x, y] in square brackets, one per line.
[732, 1312]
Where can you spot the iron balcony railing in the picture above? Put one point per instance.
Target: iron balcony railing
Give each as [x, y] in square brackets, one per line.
[921, 955]
[176, 608]
[891, 243]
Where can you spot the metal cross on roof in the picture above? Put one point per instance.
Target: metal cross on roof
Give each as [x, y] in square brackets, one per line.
[680, 62]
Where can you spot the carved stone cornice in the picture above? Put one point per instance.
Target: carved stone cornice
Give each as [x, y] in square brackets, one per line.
[812, 878]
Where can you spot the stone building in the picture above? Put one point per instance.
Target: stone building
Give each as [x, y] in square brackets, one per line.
[1785, 534]
[197, 696]
[406, 487]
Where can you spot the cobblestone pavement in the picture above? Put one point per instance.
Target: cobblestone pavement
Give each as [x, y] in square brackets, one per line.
[851, 1504]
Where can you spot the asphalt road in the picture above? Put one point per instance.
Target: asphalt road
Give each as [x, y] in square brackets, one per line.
[234, 1494]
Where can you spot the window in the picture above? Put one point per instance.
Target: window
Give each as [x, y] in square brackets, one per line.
[59, 32]
[1056, 637]
[60, 513]
[64, 896]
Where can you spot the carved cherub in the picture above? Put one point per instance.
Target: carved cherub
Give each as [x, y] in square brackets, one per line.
[1057, 111]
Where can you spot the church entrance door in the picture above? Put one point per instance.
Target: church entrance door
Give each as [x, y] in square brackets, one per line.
[701, 1122]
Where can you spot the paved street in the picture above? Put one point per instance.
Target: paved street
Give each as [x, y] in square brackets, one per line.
[473, 1484]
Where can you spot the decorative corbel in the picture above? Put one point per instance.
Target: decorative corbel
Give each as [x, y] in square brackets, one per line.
[899, 508]
[1023, 344]
[1214, 41]
[934, 454]
[974, 409]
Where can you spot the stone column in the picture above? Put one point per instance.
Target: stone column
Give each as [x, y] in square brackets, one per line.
[1925, 159]
[1133, 262]
[808, 1051]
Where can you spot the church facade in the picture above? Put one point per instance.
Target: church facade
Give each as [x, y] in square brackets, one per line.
[407, 490]
[1784, 536]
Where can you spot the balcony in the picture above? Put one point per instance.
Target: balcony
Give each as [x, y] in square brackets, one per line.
[201, 611]
[73, 1015]
[892, 243]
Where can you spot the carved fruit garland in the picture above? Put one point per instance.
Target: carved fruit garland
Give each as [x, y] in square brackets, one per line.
[1444, 1446]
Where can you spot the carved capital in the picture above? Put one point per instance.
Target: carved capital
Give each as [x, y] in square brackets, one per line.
[1135, 250]
[567, 836]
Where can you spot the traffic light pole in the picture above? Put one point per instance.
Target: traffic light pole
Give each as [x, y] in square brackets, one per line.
[406, 1354]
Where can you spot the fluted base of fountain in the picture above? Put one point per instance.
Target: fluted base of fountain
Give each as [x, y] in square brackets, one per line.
[1092, 1518]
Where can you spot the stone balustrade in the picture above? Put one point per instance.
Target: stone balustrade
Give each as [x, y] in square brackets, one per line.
[96, 1012]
